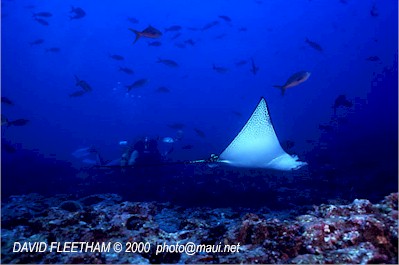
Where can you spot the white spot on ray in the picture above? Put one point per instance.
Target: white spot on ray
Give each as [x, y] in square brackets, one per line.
[257, 145]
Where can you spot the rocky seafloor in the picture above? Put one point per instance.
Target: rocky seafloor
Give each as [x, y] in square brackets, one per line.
[358, 232]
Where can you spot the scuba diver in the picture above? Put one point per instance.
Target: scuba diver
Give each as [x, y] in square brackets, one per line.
[143, 152]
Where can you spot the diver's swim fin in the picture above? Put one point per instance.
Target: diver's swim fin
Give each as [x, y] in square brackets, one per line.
[257, 146]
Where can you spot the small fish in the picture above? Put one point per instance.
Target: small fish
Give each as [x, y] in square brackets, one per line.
[126, 70]
[83, 84]
[53, 49]
[176, 36]
[242, 29]
[177, 126]
[162, 89]
[200, 133]
[133, 20]
[190, 41]
[343, 1]
[137, 84]
[225, 18]
[18, 122]
[42, 21]
[42, 14]
[155, 43]
[373, 59]
[210, 25]
[167, 62]
[294, 80]
[77, 13]
[77, 93]
[254, 68]
[187, 147]
[314, 45]
[219, 69]
[36, 42]
[117, 57]
[173, 28]
[149, 32]
[6, 101]
[241, 63]
[341, 101]
[374, 11]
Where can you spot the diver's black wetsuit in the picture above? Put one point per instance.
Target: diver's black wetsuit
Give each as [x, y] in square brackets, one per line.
[148, 153]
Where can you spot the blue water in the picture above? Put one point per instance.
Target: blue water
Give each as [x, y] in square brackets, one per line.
[357, 158]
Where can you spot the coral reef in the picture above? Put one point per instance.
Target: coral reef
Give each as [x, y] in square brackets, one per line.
[359, 232]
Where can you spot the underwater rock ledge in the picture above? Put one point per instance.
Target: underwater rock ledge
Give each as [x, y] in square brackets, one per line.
[360, 232]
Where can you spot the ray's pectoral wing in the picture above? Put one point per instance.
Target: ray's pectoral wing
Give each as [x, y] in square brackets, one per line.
[257, 145]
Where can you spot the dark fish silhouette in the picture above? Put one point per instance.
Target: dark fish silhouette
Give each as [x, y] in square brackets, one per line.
[374, 11]
[117, 57]
[137, 84]
[53, 49]
[373, 59]
[187, 147]
[190, 41]
[36, 42]
[294, 80]
[126, 70]
[314, 45]
[241, 63]
[219, 69]
[77, 13]
[42, 21]
[210, 25]
[162, 89]
[254, 68]
[176, 36]
[155, 43]
[133, 20]
[177, 126]
[18, 122]
[173, 28]
[42, 14]
[200, 133]
[167, 62]
[77, 93]
[149, 32]
[341, 101]
[242, 29]
[6, 101]
[83, 84]
[225, 18]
